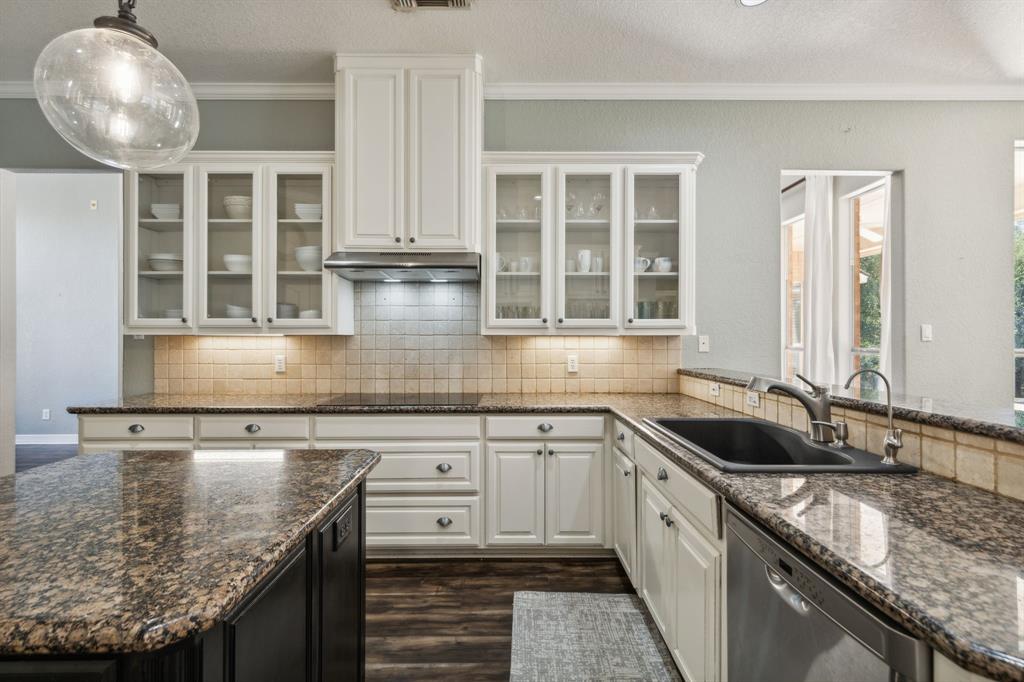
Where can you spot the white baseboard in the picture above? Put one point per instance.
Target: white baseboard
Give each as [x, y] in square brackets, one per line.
[46, 439]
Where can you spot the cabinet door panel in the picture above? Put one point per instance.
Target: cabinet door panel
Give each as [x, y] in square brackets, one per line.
[574, 488]
[697, 576]
[655, 556]
[438, 158]
[515, 493]
[372, 158]
[624, 513]
[341, 594]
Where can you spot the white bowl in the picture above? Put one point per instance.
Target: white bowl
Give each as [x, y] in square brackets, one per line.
[309, 211]
[164, 262]
[309, 315]
[237, 311]
[310, 258]
[236, 262]
[238, 211]
[165, 211]
[287, 311]
[174, 313]
[237, 199]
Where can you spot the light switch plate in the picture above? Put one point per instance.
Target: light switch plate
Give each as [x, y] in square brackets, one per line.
[926, 332]
[715, 390]
[572, 364]
[279, 365]
[704, 344]
[46, 414]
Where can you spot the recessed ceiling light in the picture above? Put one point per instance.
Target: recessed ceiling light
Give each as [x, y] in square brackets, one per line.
[751, 3]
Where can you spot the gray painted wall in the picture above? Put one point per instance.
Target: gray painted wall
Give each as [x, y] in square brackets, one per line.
[957, 159]
[67, 306]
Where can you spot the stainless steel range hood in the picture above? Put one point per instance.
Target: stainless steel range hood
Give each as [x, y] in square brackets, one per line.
[401, 266]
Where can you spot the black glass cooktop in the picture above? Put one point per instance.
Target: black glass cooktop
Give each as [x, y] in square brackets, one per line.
[403, 399]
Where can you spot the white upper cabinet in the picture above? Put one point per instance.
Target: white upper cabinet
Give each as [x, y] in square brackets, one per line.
[409, 139]
[594, 243]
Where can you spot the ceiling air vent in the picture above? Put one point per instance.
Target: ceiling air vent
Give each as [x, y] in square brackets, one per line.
[410, 5]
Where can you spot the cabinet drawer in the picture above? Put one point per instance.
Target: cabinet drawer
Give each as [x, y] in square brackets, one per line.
[422, 520]
[366, 427]
[250, 444]
[536, 426]
[420, 467]
[622, 437]
[143, 427]
[255, 427]
[692, 497]
[93, 446]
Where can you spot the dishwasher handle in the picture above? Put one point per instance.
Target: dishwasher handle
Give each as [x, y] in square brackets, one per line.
[793, 599]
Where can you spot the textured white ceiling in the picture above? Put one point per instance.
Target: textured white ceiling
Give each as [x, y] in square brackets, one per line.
[957, 42]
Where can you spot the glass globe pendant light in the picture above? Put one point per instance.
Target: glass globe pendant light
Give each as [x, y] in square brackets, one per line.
[110, 93]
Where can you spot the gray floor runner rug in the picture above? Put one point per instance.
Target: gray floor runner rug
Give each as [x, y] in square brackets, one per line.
[586, 636]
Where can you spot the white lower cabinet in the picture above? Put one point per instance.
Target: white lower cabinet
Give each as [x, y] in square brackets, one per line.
[393, 520]
[681, 578]
[545, 493]
[623, 513]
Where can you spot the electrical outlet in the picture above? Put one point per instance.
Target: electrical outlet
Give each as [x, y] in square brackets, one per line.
[753, 399]
[93, 204]
[715, 390]
[926, 404]
[704, 344]
[46, 415]
[572, 363]
[279, 365]
[926, 332]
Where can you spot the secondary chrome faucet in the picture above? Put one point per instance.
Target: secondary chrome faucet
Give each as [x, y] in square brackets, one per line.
[815, 401]
[893, 436]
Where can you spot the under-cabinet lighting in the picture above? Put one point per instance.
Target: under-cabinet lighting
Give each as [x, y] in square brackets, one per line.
[439, 281]
[751, 3]
[393, 281]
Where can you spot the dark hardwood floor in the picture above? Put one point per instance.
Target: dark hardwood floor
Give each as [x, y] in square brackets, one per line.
[29, 456]
[452, 620]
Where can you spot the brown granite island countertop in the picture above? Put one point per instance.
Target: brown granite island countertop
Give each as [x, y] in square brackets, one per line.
[943, 559]
[131, 552]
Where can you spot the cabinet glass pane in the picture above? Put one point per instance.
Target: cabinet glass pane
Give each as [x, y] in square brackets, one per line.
[298, 251]
[161, 245]
[656, 247]
[587, 250]
[229, 235]
[519, 246]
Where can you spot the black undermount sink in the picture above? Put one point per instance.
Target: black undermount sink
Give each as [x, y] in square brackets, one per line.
[752, 445]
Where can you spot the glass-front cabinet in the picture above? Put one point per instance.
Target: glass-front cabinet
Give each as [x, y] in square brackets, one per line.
[659, 247]
[588, 237]
[618, 257]
[298, 238]
[159, 250]
[518, 261]
[229, 246]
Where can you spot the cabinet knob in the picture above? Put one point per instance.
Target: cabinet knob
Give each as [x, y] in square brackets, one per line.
[540, 451]
[630, 320]
[544, 320]
[627, 473]
[270, 320]
[545, 427]
[254, 320]
[444, 467]
[412, 240]
[444, 522]
[662, 515]
[551, 452]
[398, 240]
[621, 436]
[252, 428]
[560, 320]
[662, 474]
[184, 320]
[136, 428]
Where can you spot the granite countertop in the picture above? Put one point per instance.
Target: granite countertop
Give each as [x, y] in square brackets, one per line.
[943, 559]
[130, 552]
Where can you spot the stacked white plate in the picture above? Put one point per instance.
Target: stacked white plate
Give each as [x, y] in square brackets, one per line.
[165, 211]
[310, 258]
[309, 315]
[165, 262]
[237, 311]
[287, 311]
[309, 211]
[238, 207]
[174, 313]
[237, 262]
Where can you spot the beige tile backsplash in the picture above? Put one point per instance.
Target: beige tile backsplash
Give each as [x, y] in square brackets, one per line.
[415, 338]
[988, 463]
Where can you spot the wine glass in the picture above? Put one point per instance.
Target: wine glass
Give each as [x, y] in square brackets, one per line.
[570, 203]
[597, 204]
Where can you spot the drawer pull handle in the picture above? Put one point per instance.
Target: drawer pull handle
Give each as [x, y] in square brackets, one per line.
[444, 522]
[669, 523]
[136, 428]
[662, 474]
[621, 436]
[626, 473]
[444, 467]
[545, 427]
[252, 428]
[662, 515]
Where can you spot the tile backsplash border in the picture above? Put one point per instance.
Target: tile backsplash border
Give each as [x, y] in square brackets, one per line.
[988, 463]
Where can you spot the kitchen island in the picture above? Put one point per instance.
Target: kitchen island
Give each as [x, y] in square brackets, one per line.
[160, 565]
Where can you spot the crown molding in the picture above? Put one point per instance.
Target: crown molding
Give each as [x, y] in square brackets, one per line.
[620, 91]
[752, 91]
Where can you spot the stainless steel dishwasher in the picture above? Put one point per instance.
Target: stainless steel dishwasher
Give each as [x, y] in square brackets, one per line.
[788, 621]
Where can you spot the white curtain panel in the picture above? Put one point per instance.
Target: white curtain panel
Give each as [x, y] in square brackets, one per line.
[820, 361]
[885, 363]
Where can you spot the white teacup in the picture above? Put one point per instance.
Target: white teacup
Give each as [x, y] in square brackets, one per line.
[525, 264]
[663, 264]
[583, 258]
[640, 264]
